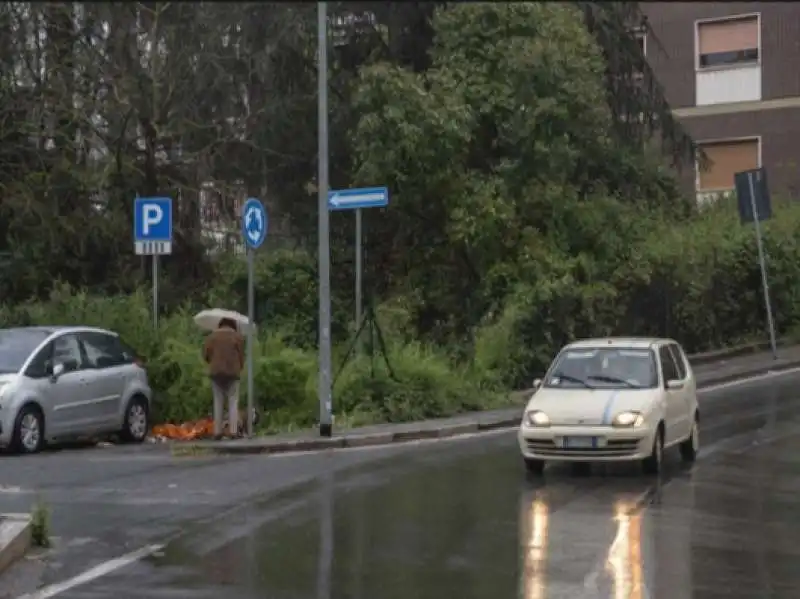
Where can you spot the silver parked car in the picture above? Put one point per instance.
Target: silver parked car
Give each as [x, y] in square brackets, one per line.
[59, 383]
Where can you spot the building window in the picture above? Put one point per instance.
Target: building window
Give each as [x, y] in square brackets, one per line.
[726, 158]
[728, 43]
[642, 39]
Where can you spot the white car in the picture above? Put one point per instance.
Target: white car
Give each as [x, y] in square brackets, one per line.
[612, 400]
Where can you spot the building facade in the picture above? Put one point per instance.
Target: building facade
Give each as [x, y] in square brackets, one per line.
[731, 73]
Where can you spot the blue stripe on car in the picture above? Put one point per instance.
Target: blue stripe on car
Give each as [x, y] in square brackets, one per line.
[607, 409]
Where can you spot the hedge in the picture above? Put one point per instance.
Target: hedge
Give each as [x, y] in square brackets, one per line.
[698, 282]
[421, 384]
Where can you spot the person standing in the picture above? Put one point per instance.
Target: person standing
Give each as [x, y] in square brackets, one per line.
[223, 351]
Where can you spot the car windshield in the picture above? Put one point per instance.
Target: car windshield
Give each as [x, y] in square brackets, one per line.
[15, 347]
[604, 368]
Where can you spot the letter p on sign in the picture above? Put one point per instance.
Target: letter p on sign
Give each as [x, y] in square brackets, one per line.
[152, 216]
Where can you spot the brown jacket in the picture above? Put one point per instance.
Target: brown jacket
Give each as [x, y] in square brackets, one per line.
[223, 351]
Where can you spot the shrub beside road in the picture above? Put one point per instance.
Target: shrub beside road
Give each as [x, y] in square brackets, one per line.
[524, 211]
[715, 302]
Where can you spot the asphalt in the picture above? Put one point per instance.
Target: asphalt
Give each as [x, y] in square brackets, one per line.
[428, 519]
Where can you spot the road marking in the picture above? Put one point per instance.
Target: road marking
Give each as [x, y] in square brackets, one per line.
[388, 446]
[98, 571]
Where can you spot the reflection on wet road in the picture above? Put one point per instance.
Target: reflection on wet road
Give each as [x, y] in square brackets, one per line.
[461, 520]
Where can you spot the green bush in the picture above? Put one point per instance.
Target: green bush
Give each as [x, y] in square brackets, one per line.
[285, 376]
[421, 384]
[697, 281]
[701, 283]
[285, 286]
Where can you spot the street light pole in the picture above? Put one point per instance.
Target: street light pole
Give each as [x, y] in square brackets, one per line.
[324, 256]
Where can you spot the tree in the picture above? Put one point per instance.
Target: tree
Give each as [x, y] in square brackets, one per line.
[497, 155]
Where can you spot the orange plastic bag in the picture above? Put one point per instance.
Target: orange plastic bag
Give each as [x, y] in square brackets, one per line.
[187, 431]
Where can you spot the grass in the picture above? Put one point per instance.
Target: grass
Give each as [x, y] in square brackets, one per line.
[40, 525]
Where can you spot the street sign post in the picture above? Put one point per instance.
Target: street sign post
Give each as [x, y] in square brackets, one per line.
[754, 206]
[323, 239]
[152, 235]
[254, 230]
[356, 199]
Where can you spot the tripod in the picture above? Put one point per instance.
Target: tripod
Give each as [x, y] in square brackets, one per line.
[370, 324]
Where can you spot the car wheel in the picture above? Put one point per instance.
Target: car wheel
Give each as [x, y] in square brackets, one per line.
[534, 466]
[28, 430]
[691, 445]
[137, 420]
[652, 464]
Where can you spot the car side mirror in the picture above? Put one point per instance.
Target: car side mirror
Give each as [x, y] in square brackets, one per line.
[537, 383]
[675, 384]
[57, 370]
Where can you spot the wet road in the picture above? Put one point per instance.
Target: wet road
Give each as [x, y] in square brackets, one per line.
[460, 519]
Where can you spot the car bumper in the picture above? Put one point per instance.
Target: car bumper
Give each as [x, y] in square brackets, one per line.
[602, 443]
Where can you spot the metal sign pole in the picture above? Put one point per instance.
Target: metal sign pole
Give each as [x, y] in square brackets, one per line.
[251, 302]
[155, 291]
[358, 274]
[255, 222]
[324, 391]
[763, 266]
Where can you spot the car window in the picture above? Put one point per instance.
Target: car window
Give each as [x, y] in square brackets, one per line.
[669, 371]
[67, 351]
[603, 368]
[16, 346]
[678, 357]
[104, 350]
[130, 354]
[38, 367]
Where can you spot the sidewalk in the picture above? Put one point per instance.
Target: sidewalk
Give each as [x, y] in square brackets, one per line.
[709, 369]
[15, 538]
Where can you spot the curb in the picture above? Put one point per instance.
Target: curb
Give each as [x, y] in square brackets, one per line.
[745, 373]
[355, 439]
[508, 419]
[718, 355]
[15, 538]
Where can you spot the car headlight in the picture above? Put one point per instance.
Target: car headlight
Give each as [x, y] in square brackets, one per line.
[628, 419]
[536, 418]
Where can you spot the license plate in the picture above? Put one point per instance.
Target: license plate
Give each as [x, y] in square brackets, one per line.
[581, 442]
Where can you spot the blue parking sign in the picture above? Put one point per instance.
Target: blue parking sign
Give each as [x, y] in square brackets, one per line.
[152, 226]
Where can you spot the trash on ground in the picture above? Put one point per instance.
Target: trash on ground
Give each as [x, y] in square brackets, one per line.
[196, 429]
[186, 431]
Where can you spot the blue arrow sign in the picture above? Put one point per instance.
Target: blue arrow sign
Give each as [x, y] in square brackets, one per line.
[254, 223]
[353, 199]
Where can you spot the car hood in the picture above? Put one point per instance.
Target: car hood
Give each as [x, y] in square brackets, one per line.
[590, 406]
[6, 378]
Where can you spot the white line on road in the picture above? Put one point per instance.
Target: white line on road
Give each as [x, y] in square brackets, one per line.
[93, 573]
[110, 566]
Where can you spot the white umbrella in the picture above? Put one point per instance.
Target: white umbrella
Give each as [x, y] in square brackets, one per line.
[210, 319]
